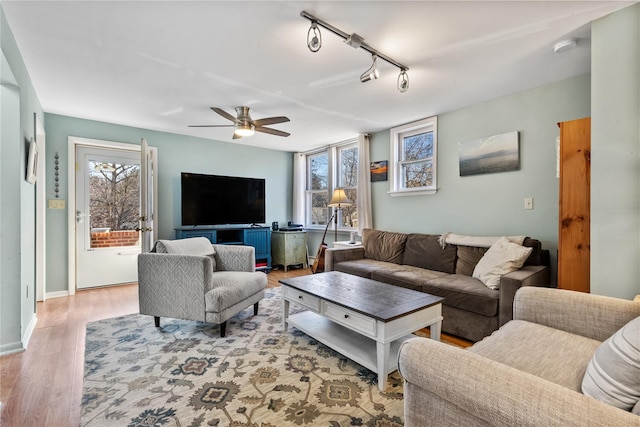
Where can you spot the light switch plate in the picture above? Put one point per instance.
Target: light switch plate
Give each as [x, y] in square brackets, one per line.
[528, 203]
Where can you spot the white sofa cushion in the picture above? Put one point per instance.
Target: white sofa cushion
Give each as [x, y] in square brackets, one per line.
[613, 374]
[501, 258]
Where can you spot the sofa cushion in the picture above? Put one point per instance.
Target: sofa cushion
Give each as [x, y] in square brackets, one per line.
[613, 374]
[424, 250]
[406, 276]
[548, 353]
[383, 245]
[502, 257]
[231, 287]
[361, 267]
[191, 246]
[465, 293]
[468, 257]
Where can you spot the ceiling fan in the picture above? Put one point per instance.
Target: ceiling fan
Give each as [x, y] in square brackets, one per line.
[244, 125]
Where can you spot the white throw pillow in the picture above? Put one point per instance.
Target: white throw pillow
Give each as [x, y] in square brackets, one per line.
[192, 246]
[613, 373]
[501, 258]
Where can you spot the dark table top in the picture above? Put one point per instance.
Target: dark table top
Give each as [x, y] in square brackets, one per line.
[379, 300]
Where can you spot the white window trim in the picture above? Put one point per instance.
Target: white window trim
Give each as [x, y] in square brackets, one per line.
[395, 180]
[332, 151]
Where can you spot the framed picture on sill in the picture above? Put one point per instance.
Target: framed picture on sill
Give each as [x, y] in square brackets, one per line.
[32, 162]
[379, 171]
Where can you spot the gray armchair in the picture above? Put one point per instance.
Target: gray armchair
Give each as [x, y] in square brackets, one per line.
[528, 373]
[191, 279]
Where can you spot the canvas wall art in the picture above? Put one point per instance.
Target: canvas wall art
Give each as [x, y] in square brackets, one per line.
[497, 153]
[379, 170]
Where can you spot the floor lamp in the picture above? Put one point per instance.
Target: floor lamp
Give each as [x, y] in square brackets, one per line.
[338, 201]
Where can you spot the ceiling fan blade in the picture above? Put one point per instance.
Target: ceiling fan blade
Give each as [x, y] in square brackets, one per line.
[270, 121]
[271, 131]
[211, 126]
[224, 114]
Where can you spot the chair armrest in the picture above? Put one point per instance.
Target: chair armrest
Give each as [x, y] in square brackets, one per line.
[235, 258]
[445, 385]
[171, 285]
[333, 256]
[533, 275]
[592, 316]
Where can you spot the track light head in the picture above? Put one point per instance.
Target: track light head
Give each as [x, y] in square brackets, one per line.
[314, 38]
[403, 81]
[372, 72]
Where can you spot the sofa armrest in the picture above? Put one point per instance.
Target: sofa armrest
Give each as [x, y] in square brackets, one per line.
[533, 275]
[445, 386]
[333, 256]
[235, 258]
[171, 285]
[592, 316]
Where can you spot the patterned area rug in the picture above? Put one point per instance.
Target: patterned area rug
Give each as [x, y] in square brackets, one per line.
[184, 374]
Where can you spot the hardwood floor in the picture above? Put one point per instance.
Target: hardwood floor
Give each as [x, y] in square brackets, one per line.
[42, 386]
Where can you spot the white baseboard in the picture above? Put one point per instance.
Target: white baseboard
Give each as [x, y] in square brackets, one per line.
[58, 294]
[15, 347]
[27, 334]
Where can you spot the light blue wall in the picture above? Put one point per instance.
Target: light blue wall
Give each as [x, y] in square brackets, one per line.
[615, 154]
[491, 204]
[176, 153]
[17, 211]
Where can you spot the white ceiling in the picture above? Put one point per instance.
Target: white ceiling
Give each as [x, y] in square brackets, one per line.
[161, 65]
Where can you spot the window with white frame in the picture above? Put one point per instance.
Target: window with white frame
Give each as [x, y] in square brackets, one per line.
[327, 170]
[413, 158]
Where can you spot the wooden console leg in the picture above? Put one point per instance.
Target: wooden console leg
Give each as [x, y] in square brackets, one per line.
[255, 309]
[223, 329]
[156, 319]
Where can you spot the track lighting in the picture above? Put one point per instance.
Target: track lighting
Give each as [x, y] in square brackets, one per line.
[403, 81]
[314, 38]
[314, 42]
[371, 73]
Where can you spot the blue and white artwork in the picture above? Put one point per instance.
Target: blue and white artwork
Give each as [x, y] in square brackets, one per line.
[497, 153]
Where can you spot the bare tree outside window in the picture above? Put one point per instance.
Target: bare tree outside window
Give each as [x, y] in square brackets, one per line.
[114, 192]
[319, 188]
[417, 167]
[349, 181]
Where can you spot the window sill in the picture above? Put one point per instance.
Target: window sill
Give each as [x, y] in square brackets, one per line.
[418, 192]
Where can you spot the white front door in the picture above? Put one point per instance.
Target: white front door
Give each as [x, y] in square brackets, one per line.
[107, 216]
[148, 195]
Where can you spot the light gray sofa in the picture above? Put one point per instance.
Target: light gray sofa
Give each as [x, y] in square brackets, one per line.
[528, 373]
[418, 261]
[192, 279]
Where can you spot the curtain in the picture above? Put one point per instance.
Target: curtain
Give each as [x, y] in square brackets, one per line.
[365, 217]
[299, 187]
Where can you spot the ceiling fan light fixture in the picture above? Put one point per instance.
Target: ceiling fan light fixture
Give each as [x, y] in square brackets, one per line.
[372, 72]
[244, 129]
[403, 81]
[314, 38]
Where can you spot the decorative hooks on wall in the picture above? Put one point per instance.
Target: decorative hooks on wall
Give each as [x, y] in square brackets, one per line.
[314, 43]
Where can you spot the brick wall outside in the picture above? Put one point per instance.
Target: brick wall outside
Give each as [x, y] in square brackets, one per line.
[110, 239]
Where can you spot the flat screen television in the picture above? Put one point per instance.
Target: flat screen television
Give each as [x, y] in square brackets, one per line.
[218, 200]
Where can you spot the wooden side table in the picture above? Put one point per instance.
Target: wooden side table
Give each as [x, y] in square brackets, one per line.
[289, 248]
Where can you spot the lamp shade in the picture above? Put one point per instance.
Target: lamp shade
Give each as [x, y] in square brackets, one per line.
[339, 199]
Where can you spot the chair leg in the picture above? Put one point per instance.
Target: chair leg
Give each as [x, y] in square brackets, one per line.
[223, 329]
[156, 319]
[255, 309]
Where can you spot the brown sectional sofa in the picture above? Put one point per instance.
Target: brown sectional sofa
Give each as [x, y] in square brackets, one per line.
[418, 261]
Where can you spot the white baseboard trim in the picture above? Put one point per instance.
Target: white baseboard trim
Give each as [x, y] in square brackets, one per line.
[27, 334]
[15, 347]
[58, 294]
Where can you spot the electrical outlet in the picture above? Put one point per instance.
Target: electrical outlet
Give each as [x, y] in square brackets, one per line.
[528, 203]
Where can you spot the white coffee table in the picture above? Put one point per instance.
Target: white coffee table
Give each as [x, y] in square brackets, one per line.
[362, 319]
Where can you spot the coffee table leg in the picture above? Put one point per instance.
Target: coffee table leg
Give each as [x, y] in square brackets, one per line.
[435, 330]
[383, 351]
[285, 314]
